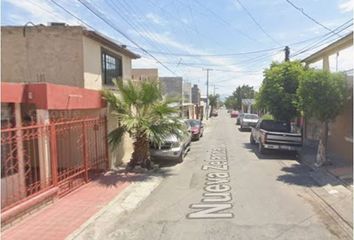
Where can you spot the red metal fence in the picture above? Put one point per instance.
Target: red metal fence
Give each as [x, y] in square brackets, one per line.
[62, 153]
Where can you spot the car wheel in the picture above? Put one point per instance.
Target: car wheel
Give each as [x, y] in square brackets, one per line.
[181, 157]
[261, 148]
[252, 141]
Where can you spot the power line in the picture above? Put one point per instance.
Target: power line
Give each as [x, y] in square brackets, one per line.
[323, 41]
[138, 28]
[230, 54]
[256, 22]
[97, 14]
[216, 55]
[311, 18]
[221, 19]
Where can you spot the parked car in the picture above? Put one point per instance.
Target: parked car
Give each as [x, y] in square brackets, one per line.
[214, 113]
[238, 120]
[271, 134]
[173, 148]
[234, 114]
[196, 128]
[248, 120]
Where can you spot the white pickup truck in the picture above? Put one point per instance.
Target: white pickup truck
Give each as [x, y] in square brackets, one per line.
[271, 134]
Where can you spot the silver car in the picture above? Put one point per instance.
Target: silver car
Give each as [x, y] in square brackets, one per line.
[248, 120]
[173, 148]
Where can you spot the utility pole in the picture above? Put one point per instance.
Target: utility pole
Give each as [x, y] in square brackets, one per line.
[287, 53]
[207, 93]
[182, 101]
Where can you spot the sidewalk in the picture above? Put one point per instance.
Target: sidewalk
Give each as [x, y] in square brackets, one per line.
[65, 215]
[333, 191]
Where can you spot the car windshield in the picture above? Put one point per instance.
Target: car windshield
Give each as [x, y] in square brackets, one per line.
[250, 116]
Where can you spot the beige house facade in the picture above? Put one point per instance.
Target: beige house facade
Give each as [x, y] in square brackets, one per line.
[67, 55]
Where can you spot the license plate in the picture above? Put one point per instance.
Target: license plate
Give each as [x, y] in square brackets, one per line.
[285, 147]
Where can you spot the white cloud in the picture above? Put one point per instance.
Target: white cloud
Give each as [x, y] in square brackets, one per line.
[236, 5]
[155, 19]
[235, 74]
[346, 5]
[185, 20]
[39, 11]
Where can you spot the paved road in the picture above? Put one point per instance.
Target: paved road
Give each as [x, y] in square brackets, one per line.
[225, 190]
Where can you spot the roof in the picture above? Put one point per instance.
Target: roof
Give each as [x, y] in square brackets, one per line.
[99, 37]
[334, 47]
[110, 43]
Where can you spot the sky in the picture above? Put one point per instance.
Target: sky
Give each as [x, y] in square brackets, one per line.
[236, 39]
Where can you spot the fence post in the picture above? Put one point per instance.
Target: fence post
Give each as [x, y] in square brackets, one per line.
[84, 148]
[106, 141]
[54, 154]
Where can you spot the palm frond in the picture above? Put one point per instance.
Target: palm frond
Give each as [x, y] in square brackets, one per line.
[115, 136]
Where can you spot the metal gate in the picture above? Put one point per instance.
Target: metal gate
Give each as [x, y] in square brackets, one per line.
[63, 153]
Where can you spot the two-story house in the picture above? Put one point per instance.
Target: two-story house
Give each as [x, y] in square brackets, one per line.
[50, 73]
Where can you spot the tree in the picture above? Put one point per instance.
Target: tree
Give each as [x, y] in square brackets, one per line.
[322, 95]
[142, 112]
[277, 94]
[242, 92]
[230, 102]
[213, 102]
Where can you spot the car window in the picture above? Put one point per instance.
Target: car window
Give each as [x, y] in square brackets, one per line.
[250, 116]
[275, 126]
[194, 123]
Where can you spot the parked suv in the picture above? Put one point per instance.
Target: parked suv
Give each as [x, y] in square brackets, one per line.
[173, 148]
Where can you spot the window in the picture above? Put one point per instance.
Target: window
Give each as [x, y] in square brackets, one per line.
[111, 67]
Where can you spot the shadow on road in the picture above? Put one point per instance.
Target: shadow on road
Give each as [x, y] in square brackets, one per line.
[297, 174]
[271, 154]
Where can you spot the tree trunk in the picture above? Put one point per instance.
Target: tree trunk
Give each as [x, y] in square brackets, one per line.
[321, 157]
[211, 111]
[141, 154]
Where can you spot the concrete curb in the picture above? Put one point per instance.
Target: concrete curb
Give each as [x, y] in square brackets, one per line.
[129, 199]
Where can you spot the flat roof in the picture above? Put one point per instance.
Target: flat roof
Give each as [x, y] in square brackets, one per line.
[334, 47]
[111, 43]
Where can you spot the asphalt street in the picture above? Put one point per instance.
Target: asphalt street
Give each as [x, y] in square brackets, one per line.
[225, 190]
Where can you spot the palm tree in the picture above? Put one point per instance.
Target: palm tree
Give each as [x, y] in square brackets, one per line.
[142, 112]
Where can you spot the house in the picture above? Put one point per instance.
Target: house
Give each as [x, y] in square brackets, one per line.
[66, 55]
[187, 92]
[336, 57]
[171, 86]
[247, 104]
[145, 74]
[54, 122]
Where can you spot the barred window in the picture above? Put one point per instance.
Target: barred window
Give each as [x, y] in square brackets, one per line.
[111, 67]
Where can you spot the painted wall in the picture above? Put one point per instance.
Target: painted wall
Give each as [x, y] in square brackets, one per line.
[42, 54]
[92, 63]
[338, 57]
